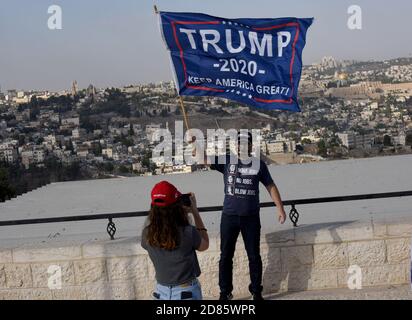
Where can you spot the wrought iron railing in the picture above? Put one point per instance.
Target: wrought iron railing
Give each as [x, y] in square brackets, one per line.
[293, 214]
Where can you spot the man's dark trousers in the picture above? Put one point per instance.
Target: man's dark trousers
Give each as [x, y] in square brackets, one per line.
[249, 227]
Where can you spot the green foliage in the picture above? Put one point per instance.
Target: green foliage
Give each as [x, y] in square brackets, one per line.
[387, 142]
[6, 190]
[409, 139]
[60, 104]
[306, 141]
[97, 149]
[322, 148]
[116, 103]
[164, 113]
[126, 141]
[380, 126]
[15, 179]
[124, 169]
[147, 163]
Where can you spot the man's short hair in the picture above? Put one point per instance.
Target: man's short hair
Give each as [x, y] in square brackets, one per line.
[244, 135]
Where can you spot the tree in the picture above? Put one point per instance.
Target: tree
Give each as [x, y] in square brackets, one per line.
[147, 163]
[409, 140]
[6, 190]
[69, 146]
[97, 149]
[322, 149]
[126, 141]
[164, 113]
[21, 139]
[335, 141]
[106, 167]
[123, 169]
[380, 126]
[387, 141]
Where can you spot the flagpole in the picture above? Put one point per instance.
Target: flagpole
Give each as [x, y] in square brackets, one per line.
[182, 106]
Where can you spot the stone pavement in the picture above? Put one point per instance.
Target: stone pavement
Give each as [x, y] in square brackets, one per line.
[375, 293]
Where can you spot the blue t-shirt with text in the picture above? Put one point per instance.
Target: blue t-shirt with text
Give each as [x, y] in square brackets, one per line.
[242, 186]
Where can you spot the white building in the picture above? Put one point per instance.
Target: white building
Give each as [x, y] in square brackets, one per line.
[137, 166]
[152, 132]
[348, 139]
[351, 140]
[71, 121]
[108, 152]
[8, 151]
[51, 138]
[78, 133]
[400, 140]
[275, 147]
[33, 155]
[8, 155]
[83, 150]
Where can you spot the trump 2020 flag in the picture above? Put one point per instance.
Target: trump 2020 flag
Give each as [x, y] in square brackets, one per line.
[253, 61]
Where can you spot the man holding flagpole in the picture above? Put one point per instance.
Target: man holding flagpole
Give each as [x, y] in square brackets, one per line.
[241, 213]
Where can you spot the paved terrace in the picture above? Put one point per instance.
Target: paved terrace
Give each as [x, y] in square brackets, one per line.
[378, 293]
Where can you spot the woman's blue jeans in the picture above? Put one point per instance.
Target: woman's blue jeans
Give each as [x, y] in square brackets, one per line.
[188, 291]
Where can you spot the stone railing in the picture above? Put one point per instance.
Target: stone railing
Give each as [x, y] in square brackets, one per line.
[305, 258]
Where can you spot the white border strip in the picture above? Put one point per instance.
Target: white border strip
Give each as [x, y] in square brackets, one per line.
[168, 49]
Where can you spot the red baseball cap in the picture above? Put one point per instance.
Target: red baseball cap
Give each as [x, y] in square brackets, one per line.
[164, 194]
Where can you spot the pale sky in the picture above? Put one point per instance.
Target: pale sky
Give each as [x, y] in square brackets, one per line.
[115, 43]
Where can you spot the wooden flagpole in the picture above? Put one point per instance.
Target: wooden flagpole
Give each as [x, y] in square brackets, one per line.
[182, 106]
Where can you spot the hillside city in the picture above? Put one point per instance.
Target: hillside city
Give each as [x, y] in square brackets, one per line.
[350, 109]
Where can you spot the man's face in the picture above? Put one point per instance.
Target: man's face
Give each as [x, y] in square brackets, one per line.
[244, 148]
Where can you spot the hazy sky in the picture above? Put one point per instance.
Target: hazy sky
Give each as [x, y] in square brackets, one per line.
[114, 43]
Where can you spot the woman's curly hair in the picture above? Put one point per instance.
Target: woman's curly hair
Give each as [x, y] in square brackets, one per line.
[163, 226]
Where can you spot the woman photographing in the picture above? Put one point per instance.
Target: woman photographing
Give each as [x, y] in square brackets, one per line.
[172, 242]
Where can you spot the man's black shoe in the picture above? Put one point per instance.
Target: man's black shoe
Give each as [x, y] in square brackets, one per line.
[225, 296]
[257, 296]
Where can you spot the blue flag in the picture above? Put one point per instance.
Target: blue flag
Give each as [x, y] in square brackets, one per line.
[253, 61]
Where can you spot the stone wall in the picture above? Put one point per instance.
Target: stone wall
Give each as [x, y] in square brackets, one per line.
[306, 258]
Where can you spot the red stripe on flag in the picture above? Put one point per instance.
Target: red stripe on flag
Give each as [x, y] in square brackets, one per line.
[273, 101]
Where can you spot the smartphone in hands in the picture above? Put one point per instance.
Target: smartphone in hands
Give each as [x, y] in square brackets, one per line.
[185, 198]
